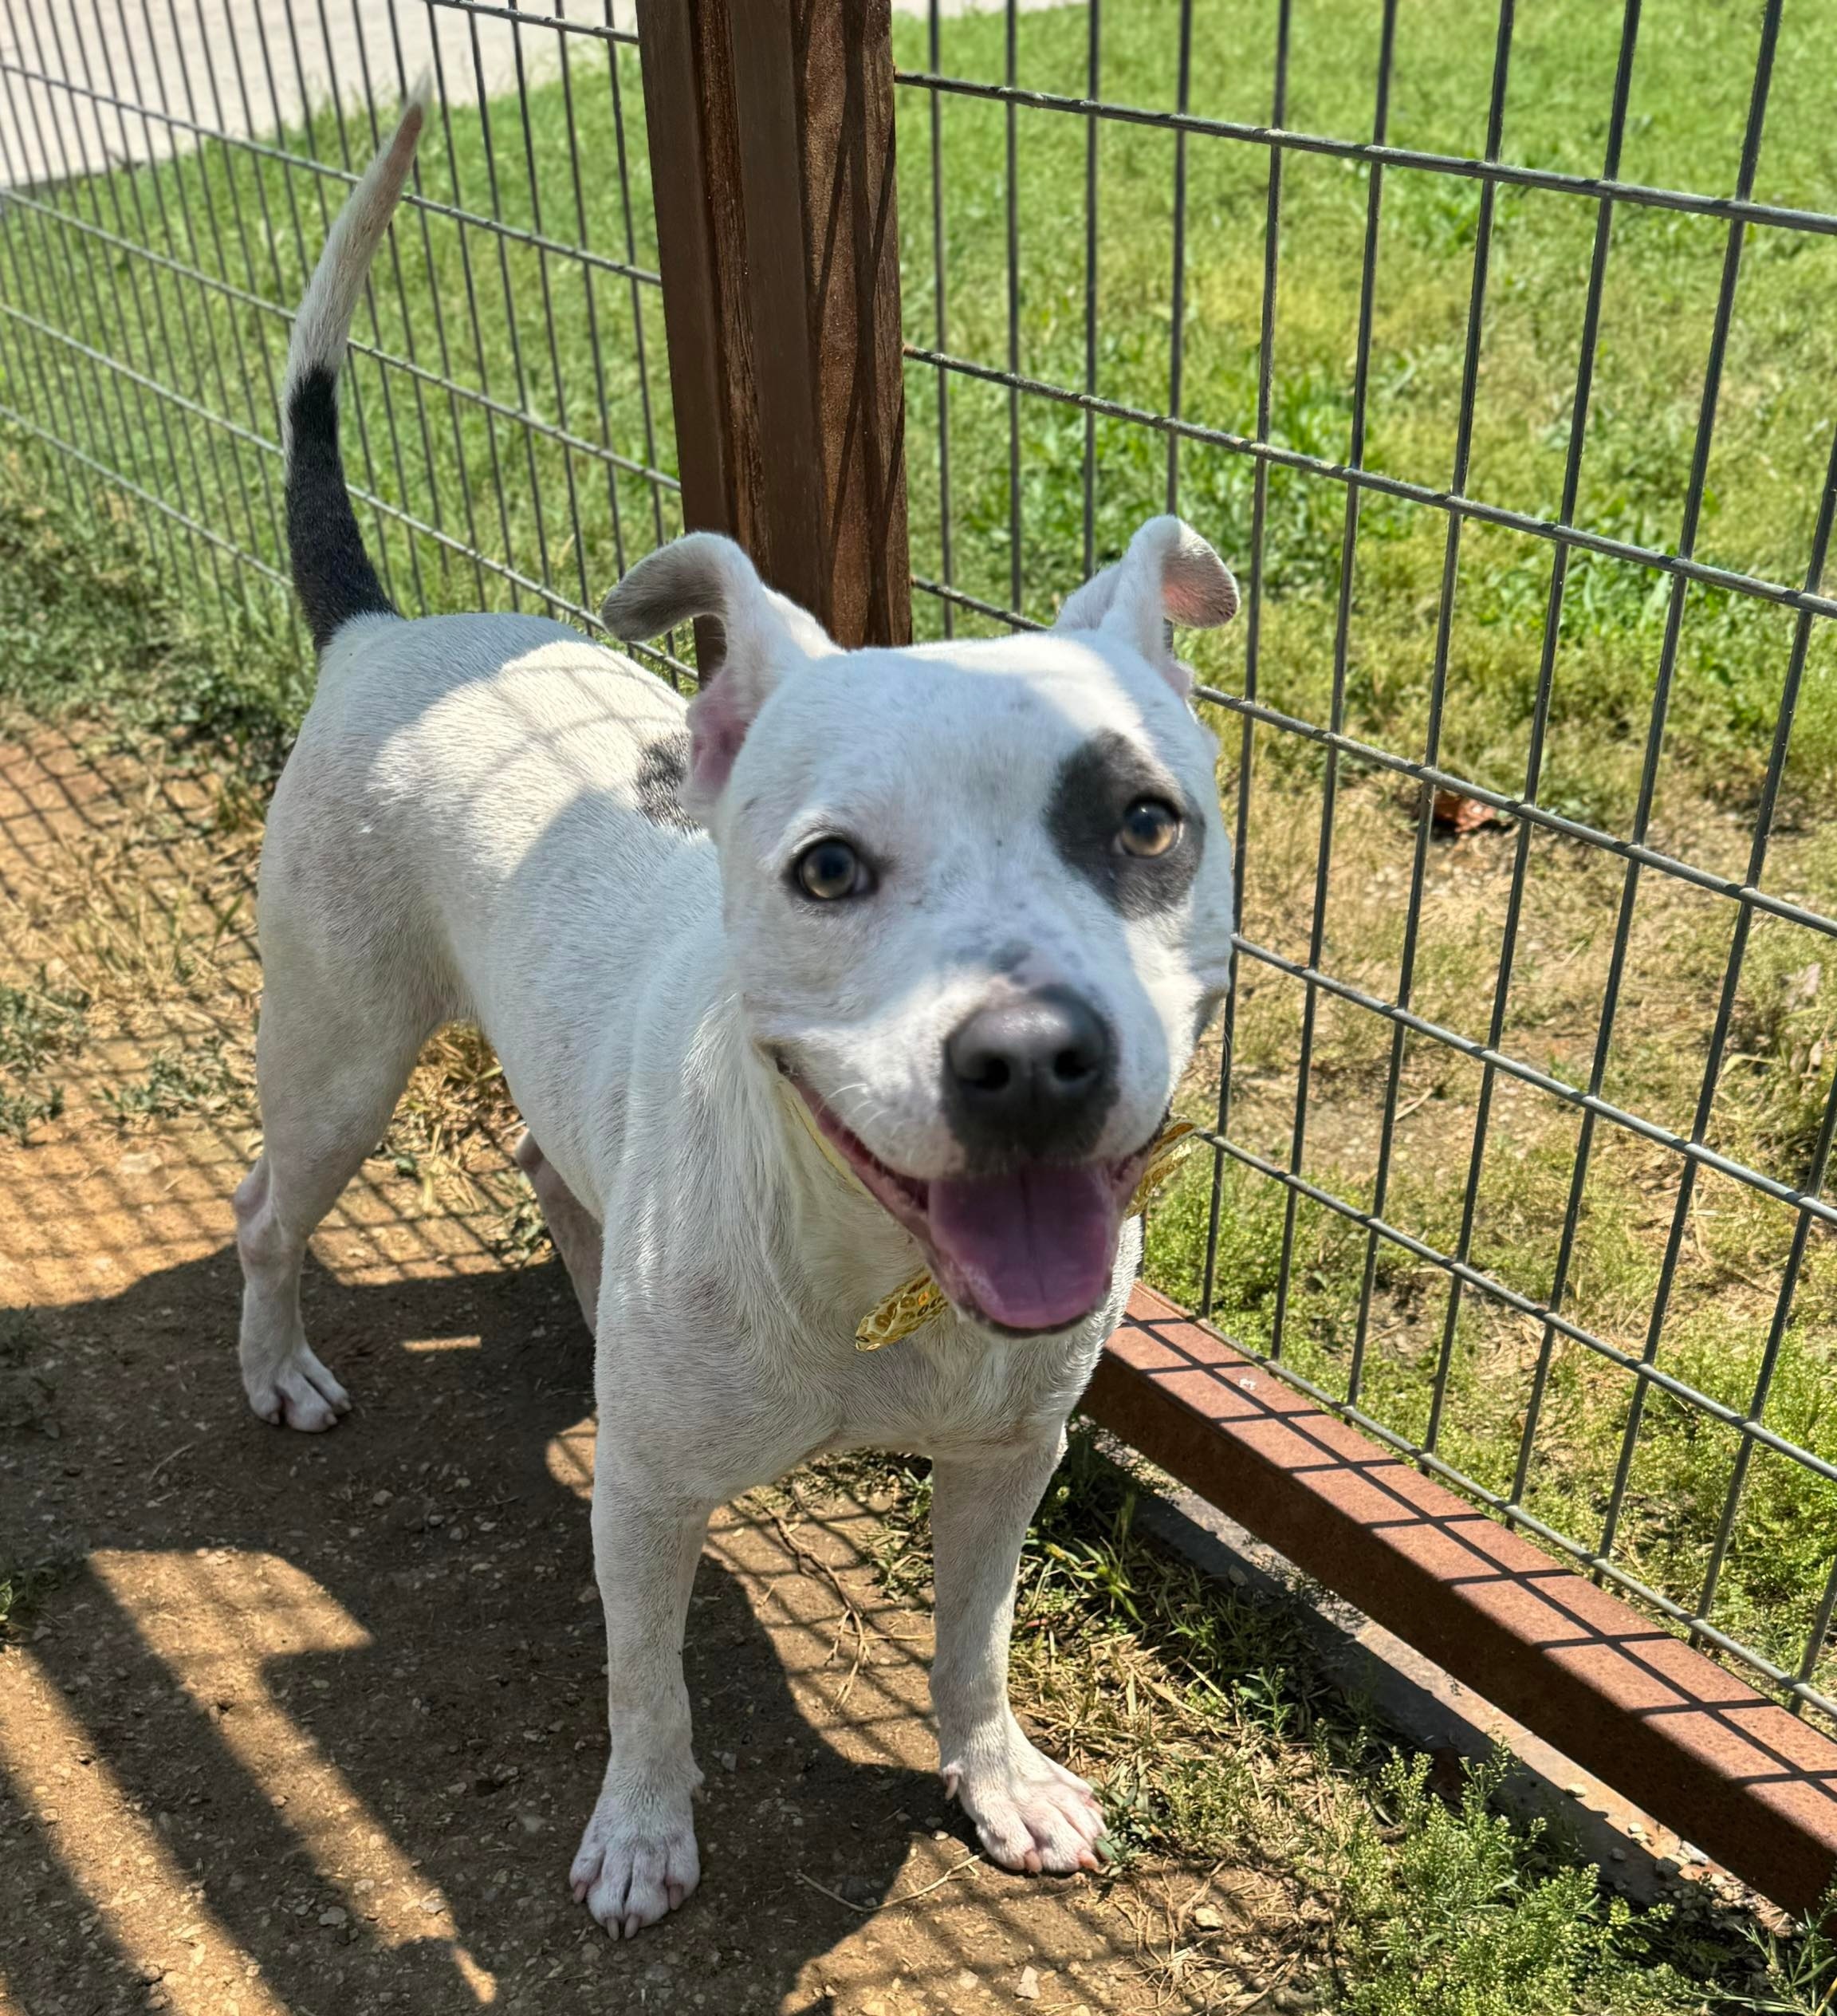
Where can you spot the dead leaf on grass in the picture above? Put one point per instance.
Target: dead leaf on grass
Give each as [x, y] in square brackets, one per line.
[1455, 812]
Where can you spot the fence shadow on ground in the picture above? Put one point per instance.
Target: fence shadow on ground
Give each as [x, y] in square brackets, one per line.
[228, 1729]
[311, 1724]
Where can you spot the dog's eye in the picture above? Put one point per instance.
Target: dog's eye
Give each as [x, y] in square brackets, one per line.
[1149, 827]
[828, 869]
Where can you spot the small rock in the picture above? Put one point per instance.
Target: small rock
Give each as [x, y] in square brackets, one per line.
[729, 1761]
[1208, 1918]
[1027, 1988]
[334, 1915]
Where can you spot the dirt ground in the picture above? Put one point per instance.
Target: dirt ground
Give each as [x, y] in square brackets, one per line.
[312, 1724]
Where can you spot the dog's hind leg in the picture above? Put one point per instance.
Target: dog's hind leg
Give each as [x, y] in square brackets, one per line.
[573, 1228]
[331, 1063]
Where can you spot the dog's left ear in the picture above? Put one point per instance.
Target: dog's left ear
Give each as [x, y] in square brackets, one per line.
[1169, 575]
[767, 636]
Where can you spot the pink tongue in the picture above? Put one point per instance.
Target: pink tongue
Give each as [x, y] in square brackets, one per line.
[1033, 1251]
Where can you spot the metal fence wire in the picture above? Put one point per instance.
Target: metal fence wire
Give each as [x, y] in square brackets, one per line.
[172, 168]
[1269, 1097]
[1404, 388]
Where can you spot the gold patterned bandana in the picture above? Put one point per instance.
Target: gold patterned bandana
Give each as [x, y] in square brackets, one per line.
[914, 1303]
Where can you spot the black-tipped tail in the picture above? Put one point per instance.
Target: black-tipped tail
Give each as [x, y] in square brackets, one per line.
[331, 571]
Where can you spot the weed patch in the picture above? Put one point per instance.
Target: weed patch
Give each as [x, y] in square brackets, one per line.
[198, 1080]
[38, 1024]
[1448, 1914]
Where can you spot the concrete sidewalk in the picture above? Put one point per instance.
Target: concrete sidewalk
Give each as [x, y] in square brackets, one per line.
[249, 67]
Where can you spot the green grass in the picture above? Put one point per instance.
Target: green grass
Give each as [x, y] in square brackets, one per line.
[93, 624]
[189, 643]
[195, 1080]
[38, 1026]
[1773, 431]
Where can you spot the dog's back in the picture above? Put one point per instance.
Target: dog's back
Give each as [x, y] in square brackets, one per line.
[501, 763]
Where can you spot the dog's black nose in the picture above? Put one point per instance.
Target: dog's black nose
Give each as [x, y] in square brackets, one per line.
[1034, 1074]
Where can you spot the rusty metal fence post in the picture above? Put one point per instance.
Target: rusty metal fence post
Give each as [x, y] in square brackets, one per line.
[771, 136]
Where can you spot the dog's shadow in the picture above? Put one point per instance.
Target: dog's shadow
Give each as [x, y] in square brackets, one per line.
[452, 1688]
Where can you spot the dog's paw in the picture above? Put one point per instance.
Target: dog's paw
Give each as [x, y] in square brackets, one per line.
[1032, 1814]
[298, 1393]
[638, 1861]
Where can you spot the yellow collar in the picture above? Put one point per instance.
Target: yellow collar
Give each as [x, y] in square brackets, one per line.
[914, 1303]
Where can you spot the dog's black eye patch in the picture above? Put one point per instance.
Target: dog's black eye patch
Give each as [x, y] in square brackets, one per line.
[663, 771]
[1099, 790]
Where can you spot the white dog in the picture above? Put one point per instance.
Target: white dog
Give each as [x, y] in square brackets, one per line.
[967, 906]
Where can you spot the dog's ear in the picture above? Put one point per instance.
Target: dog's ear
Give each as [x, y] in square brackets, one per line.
[703, 574]
[1169, 575]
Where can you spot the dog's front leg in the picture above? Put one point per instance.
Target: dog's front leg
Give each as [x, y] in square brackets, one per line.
[638, 1858]
[1031, 1813]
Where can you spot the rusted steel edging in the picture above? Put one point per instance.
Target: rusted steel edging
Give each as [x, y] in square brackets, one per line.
[1753, 1786]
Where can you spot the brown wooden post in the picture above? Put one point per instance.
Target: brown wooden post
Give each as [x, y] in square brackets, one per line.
[771, 137]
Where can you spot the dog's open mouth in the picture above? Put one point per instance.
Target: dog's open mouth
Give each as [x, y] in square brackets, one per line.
[1027, 1251]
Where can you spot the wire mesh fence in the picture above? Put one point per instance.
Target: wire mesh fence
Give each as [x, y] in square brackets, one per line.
[1492, 352]
[1452, 1193]
[172, 169]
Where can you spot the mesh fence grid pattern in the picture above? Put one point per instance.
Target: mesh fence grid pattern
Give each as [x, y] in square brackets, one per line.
[171, 170]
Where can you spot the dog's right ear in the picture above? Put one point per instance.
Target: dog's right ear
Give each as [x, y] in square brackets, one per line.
[704, 574]
[1168, 575]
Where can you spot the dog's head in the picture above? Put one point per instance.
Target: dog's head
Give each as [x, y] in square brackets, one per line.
[977, 896]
